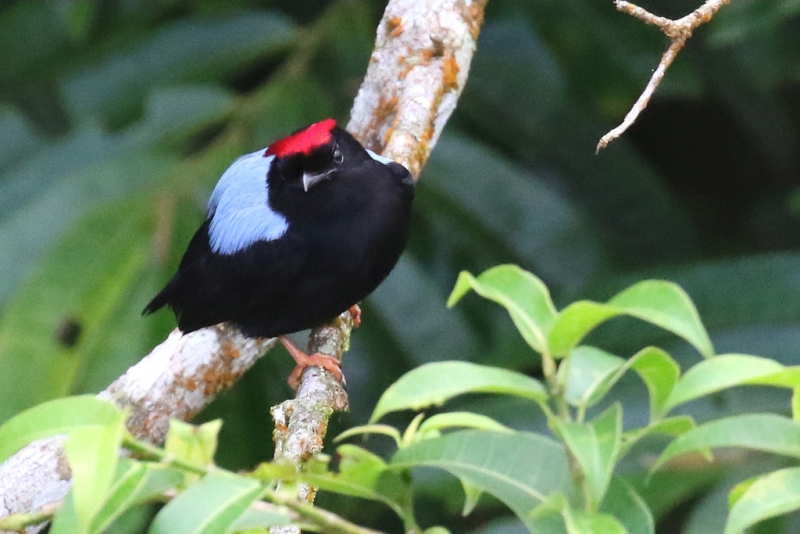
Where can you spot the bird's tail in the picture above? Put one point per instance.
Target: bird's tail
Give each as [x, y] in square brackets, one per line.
[158, 302]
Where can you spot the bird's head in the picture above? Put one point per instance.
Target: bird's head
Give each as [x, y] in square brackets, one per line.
[313, 155]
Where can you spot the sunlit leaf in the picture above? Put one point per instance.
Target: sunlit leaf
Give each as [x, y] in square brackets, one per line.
[723, 372]
[773, 494]
[92, 452]
[434, 383]
[590, 373]
[210, 506]
[193, 444]
[135, 483]
[596, 446]
[446, 420]
[55, 417]
[762, 432]
[661, 303]
[521, 293]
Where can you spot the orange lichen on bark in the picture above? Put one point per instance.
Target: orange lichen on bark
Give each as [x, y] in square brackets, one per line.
[473, 16]
[394, 26]
[450, 69]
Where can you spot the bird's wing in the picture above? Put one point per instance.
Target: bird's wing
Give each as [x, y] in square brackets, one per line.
[239, 210]
[211, 288]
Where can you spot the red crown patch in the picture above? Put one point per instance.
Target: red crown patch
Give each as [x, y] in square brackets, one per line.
[303, 141]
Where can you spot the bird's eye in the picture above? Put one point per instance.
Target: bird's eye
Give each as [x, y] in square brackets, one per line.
[338, 157]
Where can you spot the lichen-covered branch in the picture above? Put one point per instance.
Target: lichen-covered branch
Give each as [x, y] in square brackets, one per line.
[416, 73]
[176, 380]
[678, 31]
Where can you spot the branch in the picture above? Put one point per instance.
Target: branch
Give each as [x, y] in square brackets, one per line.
[416, 73]
[175, 381]
[679, 31]
[419, 67]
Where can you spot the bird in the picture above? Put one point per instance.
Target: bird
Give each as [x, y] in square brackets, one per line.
[294, 235]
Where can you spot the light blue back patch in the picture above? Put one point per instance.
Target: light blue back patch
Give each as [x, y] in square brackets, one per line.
[239, 208]
[377, 157]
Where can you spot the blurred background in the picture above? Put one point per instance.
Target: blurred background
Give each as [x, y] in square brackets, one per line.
[118, 117]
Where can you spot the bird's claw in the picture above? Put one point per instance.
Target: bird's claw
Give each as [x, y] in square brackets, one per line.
[307, 360]
[355, 314]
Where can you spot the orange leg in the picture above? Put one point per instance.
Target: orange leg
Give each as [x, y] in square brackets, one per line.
[306, 360]
[355, 313]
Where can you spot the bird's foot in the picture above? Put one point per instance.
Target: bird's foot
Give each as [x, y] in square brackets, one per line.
[306, 360]
[355, 313]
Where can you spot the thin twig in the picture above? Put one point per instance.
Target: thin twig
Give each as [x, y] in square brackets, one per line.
[679, 31]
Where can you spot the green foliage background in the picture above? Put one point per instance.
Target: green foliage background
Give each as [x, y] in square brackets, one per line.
[117, 118]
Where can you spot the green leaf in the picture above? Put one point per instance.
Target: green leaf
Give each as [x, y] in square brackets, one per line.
[210, 506]
[521, 293]
[134, 484]
[66, 520]
[574, 322]
[365, 475]
[771, 495]
[472, 494]
[593, 523]
[92, 452]
[384, 430]
[596, 447]
[255, 518]
[660, 373]
[520, 469]
[579, 521]
[591, 373]
[434, 383]
[763, 432]
[657, 302]
[74, 287]
[193, 444]
[670, 426]
[718, 373]
[460, 420]
[623, 502]
[169, 56]
[52, 418]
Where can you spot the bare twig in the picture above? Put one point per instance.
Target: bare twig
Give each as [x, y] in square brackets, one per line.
[679, 31]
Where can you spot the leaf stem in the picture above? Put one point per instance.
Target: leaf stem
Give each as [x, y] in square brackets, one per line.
[324, 520]
[19, 522]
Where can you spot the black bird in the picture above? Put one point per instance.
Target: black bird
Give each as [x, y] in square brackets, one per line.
[295, 234]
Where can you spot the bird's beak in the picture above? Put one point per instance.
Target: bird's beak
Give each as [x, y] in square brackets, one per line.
[310, 179]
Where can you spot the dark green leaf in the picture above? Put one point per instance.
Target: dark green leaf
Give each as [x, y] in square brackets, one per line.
[623, 502]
